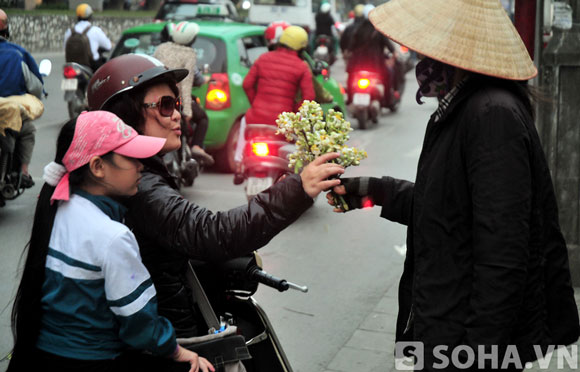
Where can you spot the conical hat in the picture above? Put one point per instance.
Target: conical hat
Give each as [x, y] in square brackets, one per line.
[475, 35]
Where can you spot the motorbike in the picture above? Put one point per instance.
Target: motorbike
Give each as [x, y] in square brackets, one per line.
[229, 287]
[323, 49]
[368, 93]
[265, 160]
[10, 167]
[74, 84]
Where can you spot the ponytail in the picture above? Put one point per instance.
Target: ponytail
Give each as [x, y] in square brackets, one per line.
[26, 312]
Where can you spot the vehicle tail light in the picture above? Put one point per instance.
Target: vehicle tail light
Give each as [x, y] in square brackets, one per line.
[342, 90]
[404, 49]
[218, 92]
[324, 72]
[260, 148]
[363, 83]
[69, 72]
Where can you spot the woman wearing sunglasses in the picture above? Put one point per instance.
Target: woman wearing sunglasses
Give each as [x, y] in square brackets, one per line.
[169, 228]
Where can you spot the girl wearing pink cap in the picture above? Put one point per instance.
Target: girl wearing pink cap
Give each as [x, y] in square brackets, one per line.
[86, 301]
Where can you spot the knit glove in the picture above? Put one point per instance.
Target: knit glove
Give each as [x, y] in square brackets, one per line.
[361, 192]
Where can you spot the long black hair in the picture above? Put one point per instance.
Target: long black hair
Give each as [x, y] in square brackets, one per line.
[26, 312]
[129, 105]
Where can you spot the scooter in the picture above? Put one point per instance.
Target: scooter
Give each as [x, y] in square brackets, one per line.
[367, 95]
[265, 160]
[74, 84]
[229, 287]
[10, 167]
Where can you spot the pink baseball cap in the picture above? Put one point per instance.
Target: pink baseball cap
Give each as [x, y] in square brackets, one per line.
[98, 133]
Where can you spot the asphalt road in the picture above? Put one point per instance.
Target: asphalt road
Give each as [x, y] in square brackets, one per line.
[348, 261]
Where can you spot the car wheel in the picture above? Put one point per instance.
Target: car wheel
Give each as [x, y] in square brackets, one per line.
[225, 157]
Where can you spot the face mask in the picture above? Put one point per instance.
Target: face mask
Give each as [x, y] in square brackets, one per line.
[434, 79]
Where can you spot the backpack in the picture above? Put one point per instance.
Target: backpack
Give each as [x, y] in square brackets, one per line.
[78, 48]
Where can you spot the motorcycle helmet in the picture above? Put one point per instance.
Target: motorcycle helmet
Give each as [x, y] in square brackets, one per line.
[367, 9]
[274, 31]
[294, 37]
[184, 33]
[124, 73]
[325, 8]
[84, 11]
[359, 11]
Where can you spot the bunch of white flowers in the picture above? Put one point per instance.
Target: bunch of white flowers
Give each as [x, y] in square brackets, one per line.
[315, 137]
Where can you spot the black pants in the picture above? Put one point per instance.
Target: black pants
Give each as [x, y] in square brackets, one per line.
[39, 360]
[199, 117]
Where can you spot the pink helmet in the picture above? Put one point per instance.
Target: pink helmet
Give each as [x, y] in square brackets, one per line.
[274, 30]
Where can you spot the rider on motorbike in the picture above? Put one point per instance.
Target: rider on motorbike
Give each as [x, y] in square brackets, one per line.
[324, 26]
[19, 76]
[169, 228]
[97, 39]
[367, 52]
[178, 53]
[272, 85]
[348, 32]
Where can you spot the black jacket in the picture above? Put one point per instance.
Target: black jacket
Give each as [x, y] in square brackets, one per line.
[170, 230]
[486, 262]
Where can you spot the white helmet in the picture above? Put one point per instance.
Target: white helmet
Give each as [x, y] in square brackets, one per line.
[325, 8]
[367, 9]
[183, 32]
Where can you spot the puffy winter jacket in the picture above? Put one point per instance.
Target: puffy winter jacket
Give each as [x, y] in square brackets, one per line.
[170, 230]
[272, 84]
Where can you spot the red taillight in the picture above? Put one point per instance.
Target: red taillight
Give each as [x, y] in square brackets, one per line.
[342, 90]
[404, 49]
[69, 72]
[324, 72]
[218, 93]
[260, 148]
[363, 83]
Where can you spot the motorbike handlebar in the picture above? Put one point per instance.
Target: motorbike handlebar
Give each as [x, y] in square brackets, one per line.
[271, 281]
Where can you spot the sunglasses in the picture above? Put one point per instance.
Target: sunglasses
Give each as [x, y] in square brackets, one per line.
[166, 105]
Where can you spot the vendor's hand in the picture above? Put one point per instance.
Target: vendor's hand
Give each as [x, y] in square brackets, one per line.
[197, 363]
[355, 193]
[315, 175]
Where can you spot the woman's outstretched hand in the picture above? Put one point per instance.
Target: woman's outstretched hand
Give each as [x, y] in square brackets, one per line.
[315, 175]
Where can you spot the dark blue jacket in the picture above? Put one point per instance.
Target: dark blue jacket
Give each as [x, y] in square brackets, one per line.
[12, 57]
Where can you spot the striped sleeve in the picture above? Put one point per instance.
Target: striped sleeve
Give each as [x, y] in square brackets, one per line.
[132, 298]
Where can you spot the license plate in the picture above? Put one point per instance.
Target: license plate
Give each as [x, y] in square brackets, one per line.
[256, 185]
[322, 49]
[69, 84]
[362, 99]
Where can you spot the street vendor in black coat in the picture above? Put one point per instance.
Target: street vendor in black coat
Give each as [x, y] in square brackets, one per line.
[486, 264]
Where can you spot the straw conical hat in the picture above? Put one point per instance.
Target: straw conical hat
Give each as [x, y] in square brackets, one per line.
[475, 35]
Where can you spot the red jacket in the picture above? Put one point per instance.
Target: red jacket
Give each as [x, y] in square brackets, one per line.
[272, 84]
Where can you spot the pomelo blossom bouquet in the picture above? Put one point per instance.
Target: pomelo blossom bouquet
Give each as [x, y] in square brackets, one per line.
[314, 137]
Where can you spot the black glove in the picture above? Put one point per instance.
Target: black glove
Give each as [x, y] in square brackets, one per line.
[361, 192]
